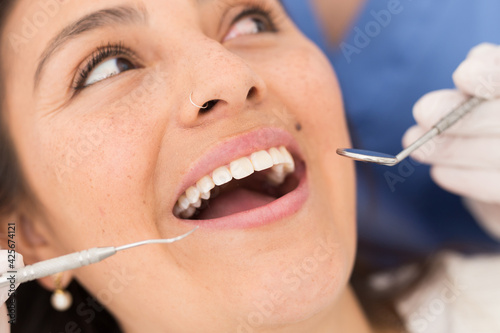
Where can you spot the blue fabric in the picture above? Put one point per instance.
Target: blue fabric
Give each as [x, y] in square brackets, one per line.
[401, 58]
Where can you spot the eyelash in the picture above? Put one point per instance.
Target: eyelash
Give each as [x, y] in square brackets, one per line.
[114, 50]
[98, 56]
[261, 9]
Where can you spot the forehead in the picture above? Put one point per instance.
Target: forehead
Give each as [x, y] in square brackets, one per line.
[31, 23]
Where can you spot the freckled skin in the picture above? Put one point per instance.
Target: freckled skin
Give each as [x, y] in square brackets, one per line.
[103, 165]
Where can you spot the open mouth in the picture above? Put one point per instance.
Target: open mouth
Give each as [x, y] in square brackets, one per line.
[246, 183]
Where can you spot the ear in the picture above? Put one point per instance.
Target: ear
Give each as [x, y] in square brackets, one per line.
[29, 235]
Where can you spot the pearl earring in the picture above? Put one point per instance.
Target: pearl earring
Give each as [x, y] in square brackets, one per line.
[61, 300]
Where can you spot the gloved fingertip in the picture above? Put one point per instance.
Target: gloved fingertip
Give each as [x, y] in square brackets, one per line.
[438, 175]
[483, 50]
[463, 75]
[486, 213]
[424, 154]
[478, 78]
[434, 105]
[411, 135]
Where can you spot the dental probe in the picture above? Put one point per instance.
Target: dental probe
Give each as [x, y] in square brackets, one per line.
[442, 125]
[74, 260]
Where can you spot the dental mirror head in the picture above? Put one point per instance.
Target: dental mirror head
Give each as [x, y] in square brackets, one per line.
[368, 156]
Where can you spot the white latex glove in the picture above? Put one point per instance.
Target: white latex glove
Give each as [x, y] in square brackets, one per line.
[466, 158]
[4, 292]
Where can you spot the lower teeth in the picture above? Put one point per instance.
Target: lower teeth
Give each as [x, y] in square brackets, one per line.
[270, 188]
[275, 175]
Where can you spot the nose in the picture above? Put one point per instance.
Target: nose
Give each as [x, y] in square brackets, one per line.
[222, 83]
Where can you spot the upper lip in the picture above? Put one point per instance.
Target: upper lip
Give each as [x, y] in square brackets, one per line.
[235, 147]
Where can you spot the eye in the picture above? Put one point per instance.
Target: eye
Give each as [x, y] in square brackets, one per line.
[108, 69]
[105, 62]
[250, 22]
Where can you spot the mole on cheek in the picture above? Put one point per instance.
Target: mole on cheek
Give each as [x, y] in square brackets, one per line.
[298, 127]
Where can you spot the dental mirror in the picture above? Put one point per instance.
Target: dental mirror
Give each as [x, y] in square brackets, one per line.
[368, 156]
[442, 125]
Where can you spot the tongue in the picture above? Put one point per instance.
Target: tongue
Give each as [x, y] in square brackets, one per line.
[235, 201]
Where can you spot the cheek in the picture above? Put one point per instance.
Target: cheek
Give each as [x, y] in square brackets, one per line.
[320, 111]
[93, 168]
[307, 84]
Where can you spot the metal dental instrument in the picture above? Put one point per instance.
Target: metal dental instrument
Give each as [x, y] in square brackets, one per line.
[442, 125]
[74, 260]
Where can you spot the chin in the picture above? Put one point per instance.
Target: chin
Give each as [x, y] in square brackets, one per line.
[296, 288]
[296, 294]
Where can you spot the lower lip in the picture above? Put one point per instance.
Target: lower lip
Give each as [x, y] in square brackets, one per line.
[275, 211]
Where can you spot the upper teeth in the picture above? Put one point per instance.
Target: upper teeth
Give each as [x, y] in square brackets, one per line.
[278, 159]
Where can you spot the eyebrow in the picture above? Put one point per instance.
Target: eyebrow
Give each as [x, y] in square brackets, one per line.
[93, 21]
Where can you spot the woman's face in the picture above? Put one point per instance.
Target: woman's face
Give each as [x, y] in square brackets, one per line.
[98, 103]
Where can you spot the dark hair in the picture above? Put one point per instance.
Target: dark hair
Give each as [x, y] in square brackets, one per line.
[10, 181]
[34, 313]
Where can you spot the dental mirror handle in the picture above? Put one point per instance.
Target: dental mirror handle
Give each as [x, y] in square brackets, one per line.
[450, 119]
[442, 125]
[56, 265]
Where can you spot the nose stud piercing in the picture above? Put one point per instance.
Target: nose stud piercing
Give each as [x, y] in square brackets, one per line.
[198, 106]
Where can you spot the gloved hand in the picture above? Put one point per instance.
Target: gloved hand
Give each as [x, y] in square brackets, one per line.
[4, 292]
[466, 158]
